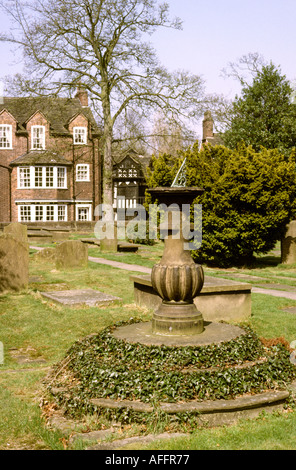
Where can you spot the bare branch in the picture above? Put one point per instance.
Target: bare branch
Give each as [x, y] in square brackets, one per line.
[246, 68]
[102, 44]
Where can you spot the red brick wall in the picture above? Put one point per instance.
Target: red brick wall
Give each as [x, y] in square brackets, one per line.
[64, 147]
[19, 143]
[4, 195]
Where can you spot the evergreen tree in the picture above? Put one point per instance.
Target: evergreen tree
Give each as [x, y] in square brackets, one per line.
[264, 114]
[247, 202]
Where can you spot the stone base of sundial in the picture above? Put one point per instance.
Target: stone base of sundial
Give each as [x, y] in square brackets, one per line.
[213, 333]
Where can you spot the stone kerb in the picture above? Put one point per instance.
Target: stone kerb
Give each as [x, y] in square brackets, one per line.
[14, 263]
[71, 254]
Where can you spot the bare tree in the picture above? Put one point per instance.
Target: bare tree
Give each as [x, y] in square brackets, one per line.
[103, 45]
[245, 68]
[169, 136]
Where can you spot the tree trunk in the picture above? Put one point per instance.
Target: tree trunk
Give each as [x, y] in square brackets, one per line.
[108, 167]
[109, 243]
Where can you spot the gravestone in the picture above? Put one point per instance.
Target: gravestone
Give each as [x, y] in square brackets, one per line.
[17, 230]
[288, 244]
[110, 243]
[71, 254]
[14, 263]
[47, 254]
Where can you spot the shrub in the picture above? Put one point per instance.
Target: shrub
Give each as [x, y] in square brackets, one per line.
[247, 202]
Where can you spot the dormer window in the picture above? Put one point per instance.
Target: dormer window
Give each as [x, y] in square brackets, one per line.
[80, 135]
[5, 136]
[38, 137]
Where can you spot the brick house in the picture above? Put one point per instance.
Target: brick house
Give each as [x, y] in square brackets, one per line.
[50, 165]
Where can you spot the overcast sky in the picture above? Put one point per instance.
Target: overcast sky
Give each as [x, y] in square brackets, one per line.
[214, 33]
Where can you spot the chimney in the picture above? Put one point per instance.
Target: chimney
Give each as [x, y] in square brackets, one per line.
[208, 125]
[82, 95]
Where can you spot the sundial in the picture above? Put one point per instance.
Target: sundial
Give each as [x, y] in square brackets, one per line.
[180, 179]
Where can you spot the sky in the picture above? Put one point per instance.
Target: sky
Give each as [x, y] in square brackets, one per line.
[214, 33]
[217, 32]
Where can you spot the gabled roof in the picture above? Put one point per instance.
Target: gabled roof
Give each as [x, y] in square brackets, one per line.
[4, 110]
[141, 160]
[40, 157]
[74, 117]
[34, 114]
[57, 111]
[128, 156]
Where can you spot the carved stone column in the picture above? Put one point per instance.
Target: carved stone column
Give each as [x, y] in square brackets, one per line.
[176, 278]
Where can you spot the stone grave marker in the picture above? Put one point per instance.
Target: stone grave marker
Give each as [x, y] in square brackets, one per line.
[14, 263]
[71, 254]
[47, 254]
[17, 230]
[288, 244]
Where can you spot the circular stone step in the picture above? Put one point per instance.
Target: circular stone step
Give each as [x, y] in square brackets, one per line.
[203, 407]
[213, 333]
[209, 412]
[112, 367]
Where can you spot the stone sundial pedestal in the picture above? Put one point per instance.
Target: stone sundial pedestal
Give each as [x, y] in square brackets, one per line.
[176, 278]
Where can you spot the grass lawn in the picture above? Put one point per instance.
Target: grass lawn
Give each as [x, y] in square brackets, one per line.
[40, 332]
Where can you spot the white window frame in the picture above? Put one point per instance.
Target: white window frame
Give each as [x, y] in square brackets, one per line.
[8, 137]
[21, 179]
[48, 210]
[49, 177]
[62, 217]
[61, 180]
[49, 213]
[23, 208]
[82, 174]
[37, 218]
[80, 135]
[84, 206]
[45, 172]
[40, 176]
[42, 138]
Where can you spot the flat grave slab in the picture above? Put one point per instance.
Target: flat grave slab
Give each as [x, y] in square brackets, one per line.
[290, 310]
[277, 286]
[121, 245]
[80, 297]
